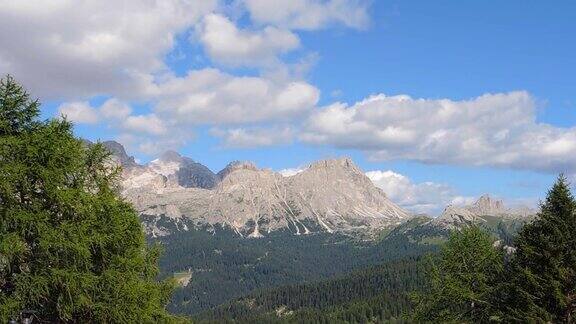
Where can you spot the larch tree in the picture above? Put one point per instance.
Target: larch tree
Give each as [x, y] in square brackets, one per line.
[71, 249]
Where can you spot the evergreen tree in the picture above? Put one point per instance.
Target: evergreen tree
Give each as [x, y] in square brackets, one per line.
[71, 250]
[543, 270]
[462, 280]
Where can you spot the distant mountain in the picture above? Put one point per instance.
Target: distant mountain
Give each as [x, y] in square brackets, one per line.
[174, 193]
[489, 214]
[183, 171]
[485, 206]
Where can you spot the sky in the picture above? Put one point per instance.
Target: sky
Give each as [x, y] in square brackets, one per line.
[438, 101]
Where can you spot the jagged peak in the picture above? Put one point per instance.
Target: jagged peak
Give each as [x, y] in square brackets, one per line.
[237, 165]
[119, 152]
[486, 199]
[487, 204]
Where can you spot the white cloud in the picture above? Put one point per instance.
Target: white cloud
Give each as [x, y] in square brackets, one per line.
[144, 133]
[153, 145]
[76, 49]
[148, 124]
[290, 171]
[309, 14]
[491, 130]
[234, 105]
[212, 97]
[115, 109]
[227, 44]
[425, 197]
[462, 200]
[254, 137]
[79, 112]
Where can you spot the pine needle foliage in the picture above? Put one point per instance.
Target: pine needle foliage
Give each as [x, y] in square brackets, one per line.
[542, 285]
[462, 280]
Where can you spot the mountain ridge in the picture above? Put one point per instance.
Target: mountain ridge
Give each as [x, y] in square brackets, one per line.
[328, 196]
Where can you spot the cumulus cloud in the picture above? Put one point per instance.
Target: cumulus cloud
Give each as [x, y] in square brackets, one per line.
[79, 112]
[117, 113]
[491, 130]
[233, 105]
[75, 49]
[148, 124]
[145, 133]
[227, 44]
[254, 137]
[309, 14]
[115, 109]
[209, 96]
[425, 197]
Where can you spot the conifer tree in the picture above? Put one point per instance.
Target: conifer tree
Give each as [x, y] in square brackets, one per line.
[71, 250]
[543, 270]
[462, 280]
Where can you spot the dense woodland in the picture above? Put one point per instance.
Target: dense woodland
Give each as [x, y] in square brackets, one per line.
[225, 266]
[377, 293]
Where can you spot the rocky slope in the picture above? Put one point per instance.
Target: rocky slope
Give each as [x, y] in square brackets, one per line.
[174, 193]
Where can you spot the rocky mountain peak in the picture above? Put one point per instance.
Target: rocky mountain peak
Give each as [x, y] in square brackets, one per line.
[486, 205]
[119, 153]
[183, 171]
[237, 165]
[170, 156]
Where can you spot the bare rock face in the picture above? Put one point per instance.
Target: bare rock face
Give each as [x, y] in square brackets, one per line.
[170, 171]
[485, 205]
[455, 217]
[119, 154]
[329, 196]
[236, 165]
[337, 195]
[183, 171]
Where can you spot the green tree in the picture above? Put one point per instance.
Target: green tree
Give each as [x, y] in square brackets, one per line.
[462, 280]
[542, 285]
[71, 249]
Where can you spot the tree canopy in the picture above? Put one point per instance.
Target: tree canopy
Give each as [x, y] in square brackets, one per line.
[71, 249]
[462, 279]
[542, 273]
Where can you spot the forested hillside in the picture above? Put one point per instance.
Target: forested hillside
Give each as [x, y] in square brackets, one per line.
[378, 293]
[224, 266]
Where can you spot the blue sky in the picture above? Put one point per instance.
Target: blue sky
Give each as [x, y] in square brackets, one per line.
[156, 75]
